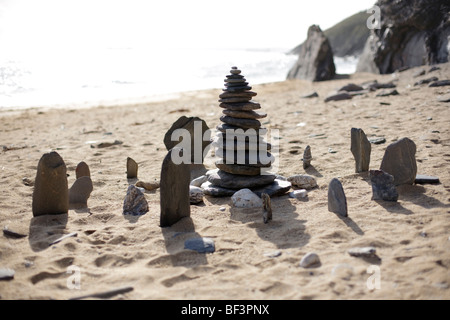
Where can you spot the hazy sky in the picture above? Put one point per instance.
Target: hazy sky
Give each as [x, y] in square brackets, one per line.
[31, 24]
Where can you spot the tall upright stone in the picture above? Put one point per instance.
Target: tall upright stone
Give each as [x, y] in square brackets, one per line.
[399, 160]
[51, 192]
[361, 148]
[337, 202]
[174, 188]
[132, 168]
[82, 170]
[315, 61]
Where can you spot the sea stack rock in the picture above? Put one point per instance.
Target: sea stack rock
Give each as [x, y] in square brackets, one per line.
[174, 189]
[51, 192]
[337, 202]
[245, 157]
[315, 61]
[361, 148]
[399, 160]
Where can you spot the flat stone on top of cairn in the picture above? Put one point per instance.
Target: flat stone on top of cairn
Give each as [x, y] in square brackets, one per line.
[244, 155]
[51, 192]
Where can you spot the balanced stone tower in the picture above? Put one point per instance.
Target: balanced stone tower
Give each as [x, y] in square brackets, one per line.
[244, 155]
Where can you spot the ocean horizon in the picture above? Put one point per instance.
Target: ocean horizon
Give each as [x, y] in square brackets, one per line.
[118, 75]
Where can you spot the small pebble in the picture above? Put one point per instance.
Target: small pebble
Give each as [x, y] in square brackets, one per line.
[309, 260]
[222, 209]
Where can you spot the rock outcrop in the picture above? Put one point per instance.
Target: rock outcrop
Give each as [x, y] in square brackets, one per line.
[315, 61]
[412, 33]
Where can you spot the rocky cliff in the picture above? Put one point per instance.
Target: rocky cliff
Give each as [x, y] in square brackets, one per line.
[412, 33]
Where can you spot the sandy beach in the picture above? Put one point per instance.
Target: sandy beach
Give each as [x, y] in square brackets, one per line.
[252, 260]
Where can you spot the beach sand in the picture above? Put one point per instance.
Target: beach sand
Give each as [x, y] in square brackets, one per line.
[252, 260]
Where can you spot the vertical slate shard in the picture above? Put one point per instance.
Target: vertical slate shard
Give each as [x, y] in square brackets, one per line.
[337, 202]
[361, 148]
[174, 189]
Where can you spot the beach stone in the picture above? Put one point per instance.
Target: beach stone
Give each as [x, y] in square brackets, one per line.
[310, 260]
[383, 187]
[82, 170]
[310, 95]
[235, 70]
[244, 114]
[199, 134]
[385, 93]
[135, 203]
[241, 106]
[241, 123]
[360, 148]
[424, 179]
[277, 188]
[232, 181]
[337, 202]
[440, 83]
[174, 190]
[365, 252]
[399, 160]
[351, 87]
[247, 95]
[303, 181]
[197, 182]
[6, 274]
[267, 207]
[377, 140]
[426, 81]
[132, 168]
[149, 186]
[298, 194]
[245, 198]
[237, 89]
[238, 169]
[51, 192]
[444, 98]
[201, 245]
[195, 194]
[80, 192]
[338, 96]
[307, 157]
[215, 191]
[251, 158]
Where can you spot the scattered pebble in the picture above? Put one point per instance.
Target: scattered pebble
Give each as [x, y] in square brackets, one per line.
[310, 260]
[272, 254]
[298, 194]
[201, 245]
[222, 209]
[362, 252]
[6, 274]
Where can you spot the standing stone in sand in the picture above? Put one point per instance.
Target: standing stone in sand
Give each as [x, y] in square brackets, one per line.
[174, 190]
[307, 157]
[134, 203]
[337, 202]
[383, 187]
[132, 168]
[361, 148]
[80, 192]
[51, 192]
[82, 170]
[197, 133]
[399, 160]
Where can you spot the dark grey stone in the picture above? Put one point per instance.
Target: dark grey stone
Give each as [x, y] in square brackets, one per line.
[424, 179]
[385, 93]
[383, 187]
[425, 81]
[242, 123]
[244, 114]
[132, 168]
[361, 149]
[80, 192]
[174, 190]
[351, 87]
[241, 106]
[276, 188]
[215, 191]
[307, 157]
[232, 181]
[238, 169]
[200, 138]
[134, 203]
[310, 95]
[246, 94]
[440, 83]
[337, 202]
[338, 97]
[399, 160]
[51, 192]
[201, 245]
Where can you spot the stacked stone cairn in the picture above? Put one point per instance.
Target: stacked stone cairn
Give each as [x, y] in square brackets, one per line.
[244, 155]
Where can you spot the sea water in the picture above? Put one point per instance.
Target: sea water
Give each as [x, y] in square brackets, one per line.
[70, 76]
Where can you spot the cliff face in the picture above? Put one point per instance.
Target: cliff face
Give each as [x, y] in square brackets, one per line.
[315, 61]
[412, 33]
